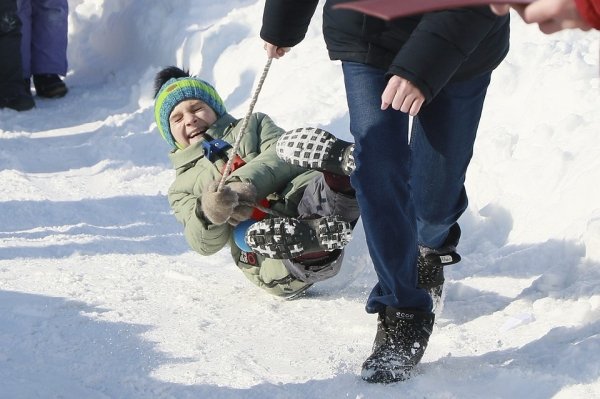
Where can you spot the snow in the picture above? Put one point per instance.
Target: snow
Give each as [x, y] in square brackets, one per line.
[100, 296]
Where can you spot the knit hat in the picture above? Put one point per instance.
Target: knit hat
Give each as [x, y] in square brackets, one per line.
[176, 90]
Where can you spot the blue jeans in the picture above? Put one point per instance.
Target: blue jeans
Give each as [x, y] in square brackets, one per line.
[409, 193]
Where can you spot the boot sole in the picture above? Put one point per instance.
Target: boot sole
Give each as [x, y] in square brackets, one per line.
[288, 238]
[53, 93]
[317, 149]
[385, 376]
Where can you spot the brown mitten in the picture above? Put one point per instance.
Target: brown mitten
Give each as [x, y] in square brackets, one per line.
[247, 194]
[218, 206]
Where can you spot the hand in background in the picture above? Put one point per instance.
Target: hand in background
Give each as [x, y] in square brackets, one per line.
[550, 15]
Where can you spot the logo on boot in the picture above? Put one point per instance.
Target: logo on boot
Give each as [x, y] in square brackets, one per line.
[248, 258]
[446, 259]
[405, 316]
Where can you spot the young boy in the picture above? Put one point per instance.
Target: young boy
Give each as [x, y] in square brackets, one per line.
[310, 214]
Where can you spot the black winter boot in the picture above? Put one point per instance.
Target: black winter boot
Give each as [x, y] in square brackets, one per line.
[18, 96]
[18, 102]
[49, 85]
[431, 262]
[401, 340]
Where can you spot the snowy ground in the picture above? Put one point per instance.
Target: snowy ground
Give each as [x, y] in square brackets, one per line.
[101, 298]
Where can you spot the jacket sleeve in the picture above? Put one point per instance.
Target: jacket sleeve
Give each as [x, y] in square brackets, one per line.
[285, 22]
[266, 170]
[590, 11]
[439, 45]
[202, 236]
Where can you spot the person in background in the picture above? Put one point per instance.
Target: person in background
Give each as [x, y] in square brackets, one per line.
[555, 15]
[435, 67]
[296, 236]
[13, 93]
[44, 45]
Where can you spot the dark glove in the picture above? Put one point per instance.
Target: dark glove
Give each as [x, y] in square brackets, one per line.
[218, 206]
[246, 199]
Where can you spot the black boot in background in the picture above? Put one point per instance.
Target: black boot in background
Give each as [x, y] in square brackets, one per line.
[401, 340]
[16, 96]
[49, 86]
[18, 100]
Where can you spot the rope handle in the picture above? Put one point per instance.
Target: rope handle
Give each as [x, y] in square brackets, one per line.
[236, 146]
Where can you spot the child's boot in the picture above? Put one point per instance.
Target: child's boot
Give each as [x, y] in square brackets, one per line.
[287, 238]
[314, 148]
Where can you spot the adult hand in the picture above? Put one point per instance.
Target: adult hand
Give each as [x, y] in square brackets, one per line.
[246, 192]
[500, 9]
[402, 95]
[218, 206]
[550, 15]
[275, 52]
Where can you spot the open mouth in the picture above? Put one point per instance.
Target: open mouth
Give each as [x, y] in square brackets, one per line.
[195, 134]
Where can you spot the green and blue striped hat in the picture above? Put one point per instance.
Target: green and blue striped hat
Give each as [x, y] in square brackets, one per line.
[176, 90]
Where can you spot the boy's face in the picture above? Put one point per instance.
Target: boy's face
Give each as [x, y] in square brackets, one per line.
[189, 120]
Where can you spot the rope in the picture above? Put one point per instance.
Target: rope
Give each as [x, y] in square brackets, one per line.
[236, 146]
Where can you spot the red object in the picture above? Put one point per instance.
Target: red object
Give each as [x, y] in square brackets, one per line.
[257, 214]
[391, 9]
[237, 162]
[590, 11]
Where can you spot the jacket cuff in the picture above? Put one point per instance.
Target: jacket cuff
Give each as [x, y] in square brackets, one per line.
[204, 237]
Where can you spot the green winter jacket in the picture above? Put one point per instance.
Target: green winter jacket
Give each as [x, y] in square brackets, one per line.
[281, 183]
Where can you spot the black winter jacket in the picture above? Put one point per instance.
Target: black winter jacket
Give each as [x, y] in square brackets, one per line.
[429, 50]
